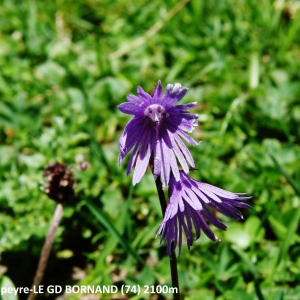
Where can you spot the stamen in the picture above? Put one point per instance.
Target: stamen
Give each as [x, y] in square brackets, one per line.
[155, 113]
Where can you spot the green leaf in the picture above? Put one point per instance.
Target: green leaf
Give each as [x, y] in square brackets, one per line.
[286, 175]
[291, 230]
[245, 259]
[7, 285]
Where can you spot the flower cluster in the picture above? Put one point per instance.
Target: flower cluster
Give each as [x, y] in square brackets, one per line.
[155, 134]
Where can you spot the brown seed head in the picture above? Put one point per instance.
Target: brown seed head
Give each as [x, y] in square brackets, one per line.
[59, 183]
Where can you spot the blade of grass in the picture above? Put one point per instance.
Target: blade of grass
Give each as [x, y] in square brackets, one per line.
[254, 71]
[281, 229]
[149, 33]
[252, 269]
[291, 230]
[286, 175]
[126, 212]
[245, 259]
[107, 224]
[292, 33]
[235, 103]
[111, 242]
[143, 238]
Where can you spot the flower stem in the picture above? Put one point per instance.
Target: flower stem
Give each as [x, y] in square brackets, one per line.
[173, 262]
[46, 251]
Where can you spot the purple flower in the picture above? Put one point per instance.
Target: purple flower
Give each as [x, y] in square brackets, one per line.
[188, 207]
[156, 131]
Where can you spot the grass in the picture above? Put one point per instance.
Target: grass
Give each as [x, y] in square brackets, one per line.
[66, 65]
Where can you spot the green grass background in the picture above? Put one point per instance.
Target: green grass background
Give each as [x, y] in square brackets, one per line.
[66, 65]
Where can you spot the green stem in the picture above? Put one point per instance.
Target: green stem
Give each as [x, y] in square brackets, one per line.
[173, 262]
[46, 251]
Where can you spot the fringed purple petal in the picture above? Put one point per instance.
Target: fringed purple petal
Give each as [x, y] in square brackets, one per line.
[188, 105]
[135, 123]
[187, 138]
[136, 100]
[206, 228]
[158, 92]
[188, 233]
[172, 211]
[143, 95]
[131, 136]
[171, 235]
[237, 203]
[173, 94]
[165, 165]
[192, 199]
[157, 160]
[197, 224]
[187, 125]
[179, 155]
[231, 208]
[185, 151]
[180, 240]
[173, 165]
[211, 195]
[188, 209]
[132, 160]
[128, 108]
[212, 219]
[175, 233]
[243, 198]
[217, 191]
[141, 163]
[224, 211]
[200, 195]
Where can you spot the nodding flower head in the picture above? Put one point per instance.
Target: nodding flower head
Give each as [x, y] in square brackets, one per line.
[190, 206]
[156, 130]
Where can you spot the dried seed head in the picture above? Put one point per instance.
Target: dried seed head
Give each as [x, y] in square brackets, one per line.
[59, 183]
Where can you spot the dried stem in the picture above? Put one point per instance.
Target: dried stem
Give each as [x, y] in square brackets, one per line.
[46, 251]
